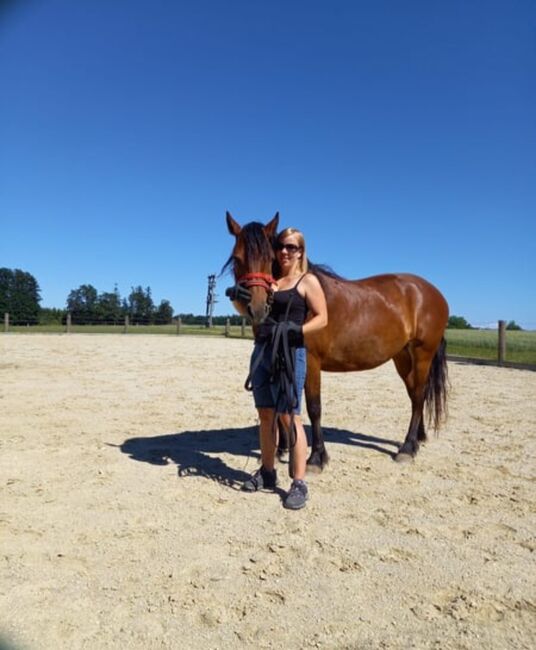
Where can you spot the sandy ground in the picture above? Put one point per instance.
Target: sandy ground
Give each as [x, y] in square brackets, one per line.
[122, 525]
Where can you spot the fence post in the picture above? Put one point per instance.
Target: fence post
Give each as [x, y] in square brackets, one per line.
[179, 323]
[502, 341]
[69, 322]
[6, 322]
[125, 329]
[243, 327]
[227, 327]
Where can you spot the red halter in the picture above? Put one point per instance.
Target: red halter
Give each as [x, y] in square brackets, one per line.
[257, 280]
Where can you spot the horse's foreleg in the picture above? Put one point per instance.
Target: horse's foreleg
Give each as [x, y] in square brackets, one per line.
[282, 441]
[319, 456]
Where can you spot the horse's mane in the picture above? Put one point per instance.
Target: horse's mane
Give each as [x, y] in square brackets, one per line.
[257, 245]
[324, 269]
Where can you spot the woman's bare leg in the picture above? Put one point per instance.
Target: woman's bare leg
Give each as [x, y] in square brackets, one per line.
[267, 437]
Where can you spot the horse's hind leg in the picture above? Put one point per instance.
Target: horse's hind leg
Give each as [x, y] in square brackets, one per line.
[413, 365]
[319, 456]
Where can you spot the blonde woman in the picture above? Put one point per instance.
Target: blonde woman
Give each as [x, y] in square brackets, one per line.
[298, 308]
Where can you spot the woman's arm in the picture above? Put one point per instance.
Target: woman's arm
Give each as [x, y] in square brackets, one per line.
[316, 303]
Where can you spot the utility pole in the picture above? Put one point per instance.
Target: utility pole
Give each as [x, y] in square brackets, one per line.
[211, 299]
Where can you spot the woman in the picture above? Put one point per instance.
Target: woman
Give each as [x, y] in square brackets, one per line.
[298, 309]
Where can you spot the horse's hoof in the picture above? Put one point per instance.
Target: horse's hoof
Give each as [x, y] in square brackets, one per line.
[403, 457]
[317, 461]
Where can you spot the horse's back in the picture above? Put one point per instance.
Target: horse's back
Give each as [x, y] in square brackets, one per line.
[372, 319]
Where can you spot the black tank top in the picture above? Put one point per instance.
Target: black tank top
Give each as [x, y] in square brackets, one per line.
[289, 305]
[291, 301]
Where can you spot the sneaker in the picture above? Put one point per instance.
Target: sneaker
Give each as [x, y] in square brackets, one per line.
[262, 479]
[297, 496]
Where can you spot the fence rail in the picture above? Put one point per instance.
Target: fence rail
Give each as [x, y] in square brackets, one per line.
[498, 347]
[125, 326]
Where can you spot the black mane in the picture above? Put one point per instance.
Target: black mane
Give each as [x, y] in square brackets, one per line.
[324, 269]
[257, 245]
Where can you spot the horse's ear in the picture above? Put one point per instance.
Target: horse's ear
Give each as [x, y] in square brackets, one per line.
[271, 228]
[234, 228]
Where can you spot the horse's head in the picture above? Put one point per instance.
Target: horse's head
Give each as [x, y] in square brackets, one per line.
[251, 261]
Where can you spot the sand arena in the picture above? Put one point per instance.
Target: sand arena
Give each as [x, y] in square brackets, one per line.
[122, 525]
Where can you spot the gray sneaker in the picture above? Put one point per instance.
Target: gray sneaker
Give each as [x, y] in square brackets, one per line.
[297, 496]
[262, 479]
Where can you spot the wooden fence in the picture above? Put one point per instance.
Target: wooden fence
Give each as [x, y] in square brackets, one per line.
[472, 355]
[125, 326]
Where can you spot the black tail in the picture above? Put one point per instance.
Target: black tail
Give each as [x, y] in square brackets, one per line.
[437, 387]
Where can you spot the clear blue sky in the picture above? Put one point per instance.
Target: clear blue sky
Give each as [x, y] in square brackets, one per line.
[399, 136]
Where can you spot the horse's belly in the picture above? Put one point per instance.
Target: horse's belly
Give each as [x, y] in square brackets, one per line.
[355, 355]
[349, 365]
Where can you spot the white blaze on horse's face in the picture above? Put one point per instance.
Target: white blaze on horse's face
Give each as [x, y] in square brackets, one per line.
[252, 264]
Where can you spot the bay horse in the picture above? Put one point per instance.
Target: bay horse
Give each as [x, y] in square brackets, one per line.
[395, 316]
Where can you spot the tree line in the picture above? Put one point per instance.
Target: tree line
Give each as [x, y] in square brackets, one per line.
[20, 296]
[459, 323]
[86, 305]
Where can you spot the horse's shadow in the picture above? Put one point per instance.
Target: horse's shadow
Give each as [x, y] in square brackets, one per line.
[198, 453]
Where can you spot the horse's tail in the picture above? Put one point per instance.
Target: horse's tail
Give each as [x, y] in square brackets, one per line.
[437, 387]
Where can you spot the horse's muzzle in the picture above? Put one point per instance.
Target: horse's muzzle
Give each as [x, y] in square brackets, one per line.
[258, 313]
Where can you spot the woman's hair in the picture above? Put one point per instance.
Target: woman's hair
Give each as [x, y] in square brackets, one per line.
[304, 262]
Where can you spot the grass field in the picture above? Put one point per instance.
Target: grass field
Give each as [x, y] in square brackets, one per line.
[480, 344]
[483, 344]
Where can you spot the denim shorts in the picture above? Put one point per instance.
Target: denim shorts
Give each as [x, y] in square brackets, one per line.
[266, 393]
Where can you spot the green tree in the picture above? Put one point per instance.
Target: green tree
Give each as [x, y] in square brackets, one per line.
[6, 283]
[512, 325]
[190, 319]
[235, 319]
[458, 323]
[109, 308]
[82, 303]
[141, 306]
[164, 313]
[25, 297]
[19, 295]
[51, 316]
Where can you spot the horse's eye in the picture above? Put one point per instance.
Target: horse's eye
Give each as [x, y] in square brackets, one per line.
[237, 263]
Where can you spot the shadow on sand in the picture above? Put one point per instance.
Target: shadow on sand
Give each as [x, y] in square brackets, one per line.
[196, 453]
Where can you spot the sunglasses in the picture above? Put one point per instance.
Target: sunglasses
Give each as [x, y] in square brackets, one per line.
[290, 248]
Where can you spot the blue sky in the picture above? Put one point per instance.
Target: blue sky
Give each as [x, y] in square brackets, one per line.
[399, 136]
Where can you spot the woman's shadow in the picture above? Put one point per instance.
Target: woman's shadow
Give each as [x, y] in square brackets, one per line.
[198, 453]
